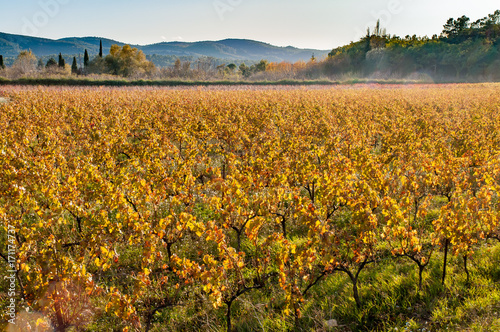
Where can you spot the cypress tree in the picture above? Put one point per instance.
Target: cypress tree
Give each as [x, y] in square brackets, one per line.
[74, 66]
[86, 59]
[2, 66]
[100, 49]
[62, 63]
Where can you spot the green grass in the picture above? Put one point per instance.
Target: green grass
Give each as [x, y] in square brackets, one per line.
[390, 296]
[389, 291]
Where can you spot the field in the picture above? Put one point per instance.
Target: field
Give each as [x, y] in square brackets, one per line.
[346, 208]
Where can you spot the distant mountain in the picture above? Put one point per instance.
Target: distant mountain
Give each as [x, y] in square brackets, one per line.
[230, 49]
[234, 49]
[11, 45]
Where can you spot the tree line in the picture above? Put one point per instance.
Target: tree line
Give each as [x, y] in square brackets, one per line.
[464, 51]
[124, 61]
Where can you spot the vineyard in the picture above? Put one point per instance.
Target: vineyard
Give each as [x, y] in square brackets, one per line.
[360, 208]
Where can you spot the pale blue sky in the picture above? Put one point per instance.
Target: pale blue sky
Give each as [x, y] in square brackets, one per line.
[321, 24]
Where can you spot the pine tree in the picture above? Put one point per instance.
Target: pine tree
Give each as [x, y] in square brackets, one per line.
[62, 63]
[86, 59]
[2, 66]
[51, 63]
[74, 66]
[100, 49]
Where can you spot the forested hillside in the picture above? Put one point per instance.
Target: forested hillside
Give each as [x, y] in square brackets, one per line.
[464, 50]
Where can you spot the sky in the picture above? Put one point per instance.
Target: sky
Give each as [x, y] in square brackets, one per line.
[317, 24]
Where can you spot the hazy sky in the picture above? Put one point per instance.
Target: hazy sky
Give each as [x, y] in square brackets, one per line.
[320, 24]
